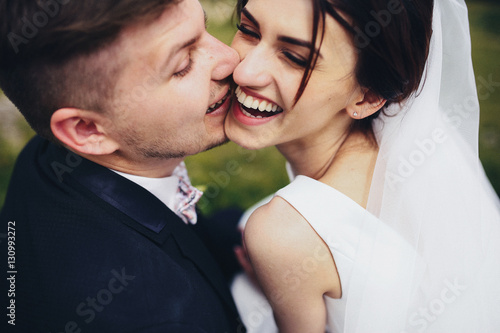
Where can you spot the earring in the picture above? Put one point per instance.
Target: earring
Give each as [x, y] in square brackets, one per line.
[355, 114]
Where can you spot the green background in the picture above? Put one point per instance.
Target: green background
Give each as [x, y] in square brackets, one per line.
[233, 177]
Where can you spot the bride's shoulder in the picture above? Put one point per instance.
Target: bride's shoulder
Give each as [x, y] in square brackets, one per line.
[277, 221]
[279, 240]
[278, 235]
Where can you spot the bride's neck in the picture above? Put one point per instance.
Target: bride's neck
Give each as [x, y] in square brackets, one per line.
[346, 164]
[312, 158]
[320, 158]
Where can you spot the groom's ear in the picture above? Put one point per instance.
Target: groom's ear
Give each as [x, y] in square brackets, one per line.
[83, 131]
[366, 104]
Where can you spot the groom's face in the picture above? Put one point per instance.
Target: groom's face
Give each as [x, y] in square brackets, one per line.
[170, 98]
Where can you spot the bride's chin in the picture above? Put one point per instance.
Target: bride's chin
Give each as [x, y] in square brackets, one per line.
[253, 139]
[243, 141]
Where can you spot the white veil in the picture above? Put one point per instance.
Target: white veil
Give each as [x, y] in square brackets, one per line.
[430, 188]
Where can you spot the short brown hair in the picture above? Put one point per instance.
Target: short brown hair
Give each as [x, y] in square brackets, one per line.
[50, 52]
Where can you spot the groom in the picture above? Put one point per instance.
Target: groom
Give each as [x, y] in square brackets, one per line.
[100, 212]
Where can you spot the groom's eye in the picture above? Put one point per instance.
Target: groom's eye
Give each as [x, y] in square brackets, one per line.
[247, 31]
[186, 67]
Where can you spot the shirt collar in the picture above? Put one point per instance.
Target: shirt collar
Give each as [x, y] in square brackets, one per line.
[164, 189]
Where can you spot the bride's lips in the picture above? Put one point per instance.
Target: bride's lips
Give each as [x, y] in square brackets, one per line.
[212, 109]
[251, 109]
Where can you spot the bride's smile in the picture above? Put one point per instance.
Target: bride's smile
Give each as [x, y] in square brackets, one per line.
[274, 57]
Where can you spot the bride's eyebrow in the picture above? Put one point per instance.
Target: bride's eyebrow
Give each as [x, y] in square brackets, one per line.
[281, 38]
[250, 17]
[299, 42]
[296, 41]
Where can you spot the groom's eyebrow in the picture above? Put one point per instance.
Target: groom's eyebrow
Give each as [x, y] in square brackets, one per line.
[182, 46]
[192, 41]
[250, 17]
[187, 44]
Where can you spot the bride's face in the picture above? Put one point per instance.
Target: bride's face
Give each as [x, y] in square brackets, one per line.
[273, 43]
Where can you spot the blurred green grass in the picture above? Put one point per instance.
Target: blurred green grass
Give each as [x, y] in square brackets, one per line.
[233, 177]
[485, 30]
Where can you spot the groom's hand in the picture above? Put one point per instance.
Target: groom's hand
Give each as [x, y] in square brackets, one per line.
[246, 265]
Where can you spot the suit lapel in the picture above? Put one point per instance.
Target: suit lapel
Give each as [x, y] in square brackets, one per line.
[154, 220]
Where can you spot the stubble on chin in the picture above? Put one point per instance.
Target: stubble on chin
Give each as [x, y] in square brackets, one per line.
[163, 148]
[218, 144]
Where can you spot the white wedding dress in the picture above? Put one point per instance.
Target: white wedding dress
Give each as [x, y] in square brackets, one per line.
[369, 255]
[348, 230]
[425, 254]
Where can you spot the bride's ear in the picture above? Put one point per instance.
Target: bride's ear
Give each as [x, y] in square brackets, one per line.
[83, 131]
[367, 103]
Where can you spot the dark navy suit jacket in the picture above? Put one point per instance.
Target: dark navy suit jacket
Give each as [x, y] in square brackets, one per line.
[95, 252]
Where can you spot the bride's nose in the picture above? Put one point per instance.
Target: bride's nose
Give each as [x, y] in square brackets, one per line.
[255, 68]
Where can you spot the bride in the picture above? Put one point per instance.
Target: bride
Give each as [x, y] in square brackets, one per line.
[389, 223]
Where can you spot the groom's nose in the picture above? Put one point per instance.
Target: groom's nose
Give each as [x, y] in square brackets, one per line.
[225, 59]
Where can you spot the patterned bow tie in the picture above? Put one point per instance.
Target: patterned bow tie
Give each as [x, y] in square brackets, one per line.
[186, 197]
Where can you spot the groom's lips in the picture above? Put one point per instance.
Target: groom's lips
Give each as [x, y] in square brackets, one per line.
[217, 105]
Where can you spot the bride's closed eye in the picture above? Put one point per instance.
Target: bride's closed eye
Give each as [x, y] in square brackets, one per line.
[297, 61]
[245, 30]
[249, 33]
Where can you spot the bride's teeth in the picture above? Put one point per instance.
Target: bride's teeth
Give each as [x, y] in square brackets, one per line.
[241, 97]
[253, 103]
[212, 106]
[248, 102]
[262, 106]
[250, 115]
[247, 114]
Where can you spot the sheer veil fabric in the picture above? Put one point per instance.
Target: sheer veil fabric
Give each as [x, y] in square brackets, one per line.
[430, 188]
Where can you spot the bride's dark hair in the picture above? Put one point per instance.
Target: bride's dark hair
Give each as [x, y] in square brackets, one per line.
[392, 41]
